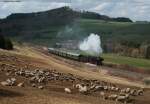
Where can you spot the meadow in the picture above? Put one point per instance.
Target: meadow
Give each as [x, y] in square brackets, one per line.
[124, 60]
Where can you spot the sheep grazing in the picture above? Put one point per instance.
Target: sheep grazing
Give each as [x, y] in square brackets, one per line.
[117, 89]
[105, 87]
[21, 84]
[127, 90]
[123, 91]
[40, 80]
[40, 87]
[133, 92]
[140, 92]
[99, 88]
[92, 87]
[5, 83]
[33, 85]
[102, 94]
[112, 88]
[112, 97]
[67, 90]
[78, 86]
[123, 98]
[82, 88]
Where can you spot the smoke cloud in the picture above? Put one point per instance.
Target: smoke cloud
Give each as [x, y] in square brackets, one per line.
[91, 45]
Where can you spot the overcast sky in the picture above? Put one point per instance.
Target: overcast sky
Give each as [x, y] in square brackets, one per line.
[134, 9]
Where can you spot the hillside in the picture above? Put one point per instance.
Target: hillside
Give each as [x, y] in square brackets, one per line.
[119, 31]
[28, 64]
[47, 24]
[62, 24]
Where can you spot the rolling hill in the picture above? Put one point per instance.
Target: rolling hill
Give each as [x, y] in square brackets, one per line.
[61, 24]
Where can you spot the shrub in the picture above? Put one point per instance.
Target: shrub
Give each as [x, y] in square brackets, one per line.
[5, 43]
[146, 81]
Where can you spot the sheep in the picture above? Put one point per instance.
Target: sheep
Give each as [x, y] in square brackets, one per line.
[78, 86]
[40, 80]
[123, 91]
[112, 88]
[67, 90]
[10, 81]
[5, 83]
[127, 90]
[32, 79]
[102, 94]
[81, 88]
[112, 97]
[33, 85]
[98, 88]
[117, 89]
[139, 92]
[92, 87]
[40, 87]
[105, 87]
[123, 98]
[133, 92]
[21, 84]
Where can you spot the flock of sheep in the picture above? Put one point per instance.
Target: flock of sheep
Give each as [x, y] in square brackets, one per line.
[39, 78]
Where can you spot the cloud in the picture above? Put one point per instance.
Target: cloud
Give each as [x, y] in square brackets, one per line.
[26, 7]
[134, 9]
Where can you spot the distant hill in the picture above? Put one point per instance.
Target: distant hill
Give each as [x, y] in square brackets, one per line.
[29, 23]
[93, 15]
[63, 23]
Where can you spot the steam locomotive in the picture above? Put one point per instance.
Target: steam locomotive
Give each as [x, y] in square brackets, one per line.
[77, 57]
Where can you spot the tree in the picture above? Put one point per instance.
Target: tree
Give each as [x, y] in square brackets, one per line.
[148, 52]
[5, 43]
[2, 42]
[8, 44]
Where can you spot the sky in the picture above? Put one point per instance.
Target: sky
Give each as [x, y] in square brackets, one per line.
[137, 10]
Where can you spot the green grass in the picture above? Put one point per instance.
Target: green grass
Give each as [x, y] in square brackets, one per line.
[81, 28]
[135, 62]
[117, 30]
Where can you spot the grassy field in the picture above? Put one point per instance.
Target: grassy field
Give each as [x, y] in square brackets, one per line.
[117, 30]
[135, 62]
[81, 28]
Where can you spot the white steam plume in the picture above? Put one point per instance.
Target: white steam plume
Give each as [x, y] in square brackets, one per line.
[91, 45]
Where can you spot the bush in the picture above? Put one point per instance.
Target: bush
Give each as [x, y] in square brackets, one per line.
[2, 42]
[148, 52]
[146, 81]
[5, 43]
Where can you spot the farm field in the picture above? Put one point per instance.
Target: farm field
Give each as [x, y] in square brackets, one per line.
[135, 62]
[117, 31]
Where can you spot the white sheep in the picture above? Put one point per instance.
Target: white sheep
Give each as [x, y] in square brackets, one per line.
[81, 88]
[123, 98]
[102, 94]
[127, 90]
[112, 97]
[140, 92]
[67, 90]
